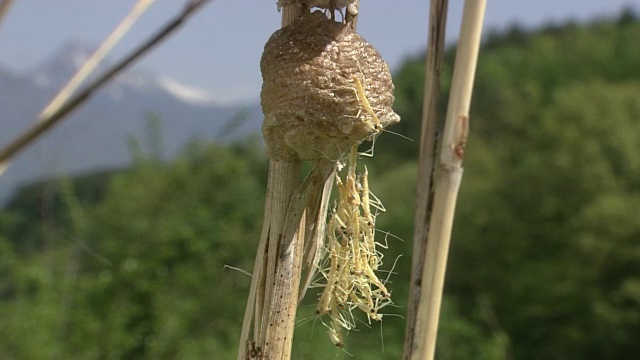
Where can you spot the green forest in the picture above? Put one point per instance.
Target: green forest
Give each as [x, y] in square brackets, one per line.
[545, 255]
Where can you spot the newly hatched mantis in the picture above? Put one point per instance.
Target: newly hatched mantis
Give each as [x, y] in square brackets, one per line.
[362, 99]
[348, 273]
[352, 255]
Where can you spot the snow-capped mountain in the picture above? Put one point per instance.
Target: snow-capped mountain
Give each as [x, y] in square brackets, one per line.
[96, 135]
[57, 70]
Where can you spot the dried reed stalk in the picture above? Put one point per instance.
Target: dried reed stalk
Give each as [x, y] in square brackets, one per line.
[293, 212]
[92, 62]
[45, 123]
[278, 259]
[447, 177]
[426, 160]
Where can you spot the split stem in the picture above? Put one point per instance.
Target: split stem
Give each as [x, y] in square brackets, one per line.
[447, 179]
[426, 161]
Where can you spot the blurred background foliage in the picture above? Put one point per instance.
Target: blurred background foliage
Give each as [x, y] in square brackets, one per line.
[544, 264]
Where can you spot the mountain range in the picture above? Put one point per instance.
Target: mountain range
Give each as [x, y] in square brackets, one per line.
[96, 136]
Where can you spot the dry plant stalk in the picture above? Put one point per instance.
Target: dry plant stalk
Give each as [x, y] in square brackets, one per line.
[317, 106]
[92, 62]
[45, 123]
[85, 70]
[447, 177]
[426, 159]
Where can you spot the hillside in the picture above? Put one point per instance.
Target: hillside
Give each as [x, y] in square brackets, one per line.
[97, 135]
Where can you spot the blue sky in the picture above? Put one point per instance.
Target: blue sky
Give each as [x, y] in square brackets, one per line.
[219, 49]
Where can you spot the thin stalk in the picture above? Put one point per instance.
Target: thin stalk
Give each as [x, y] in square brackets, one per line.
[352, 19]
[42, 125]
[274, 293]
[253, 310]
[317, 210]
[90, 65]
[291, 12]
[284, 253]
[447, 181]
[426, 160]
[286, 282]
[282, 183]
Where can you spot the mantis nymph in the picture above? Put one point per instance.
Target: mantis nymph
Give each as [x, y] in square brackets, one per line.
[353, 257]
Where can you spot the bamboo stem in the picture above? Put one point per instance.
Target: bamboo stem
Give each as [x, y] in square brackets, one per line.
[447, 180]
[424, 201]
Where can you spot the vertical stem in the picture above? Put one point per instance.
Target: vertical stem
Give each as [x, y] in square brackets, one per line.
[277, 260]
[447, 184]
[352, 18]
[464, 73]
[317, 209]
[282, 183]
[280, 320]
[256, 292]
[447, 181]
[291, 12]
[284, 261]
[424, 201]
